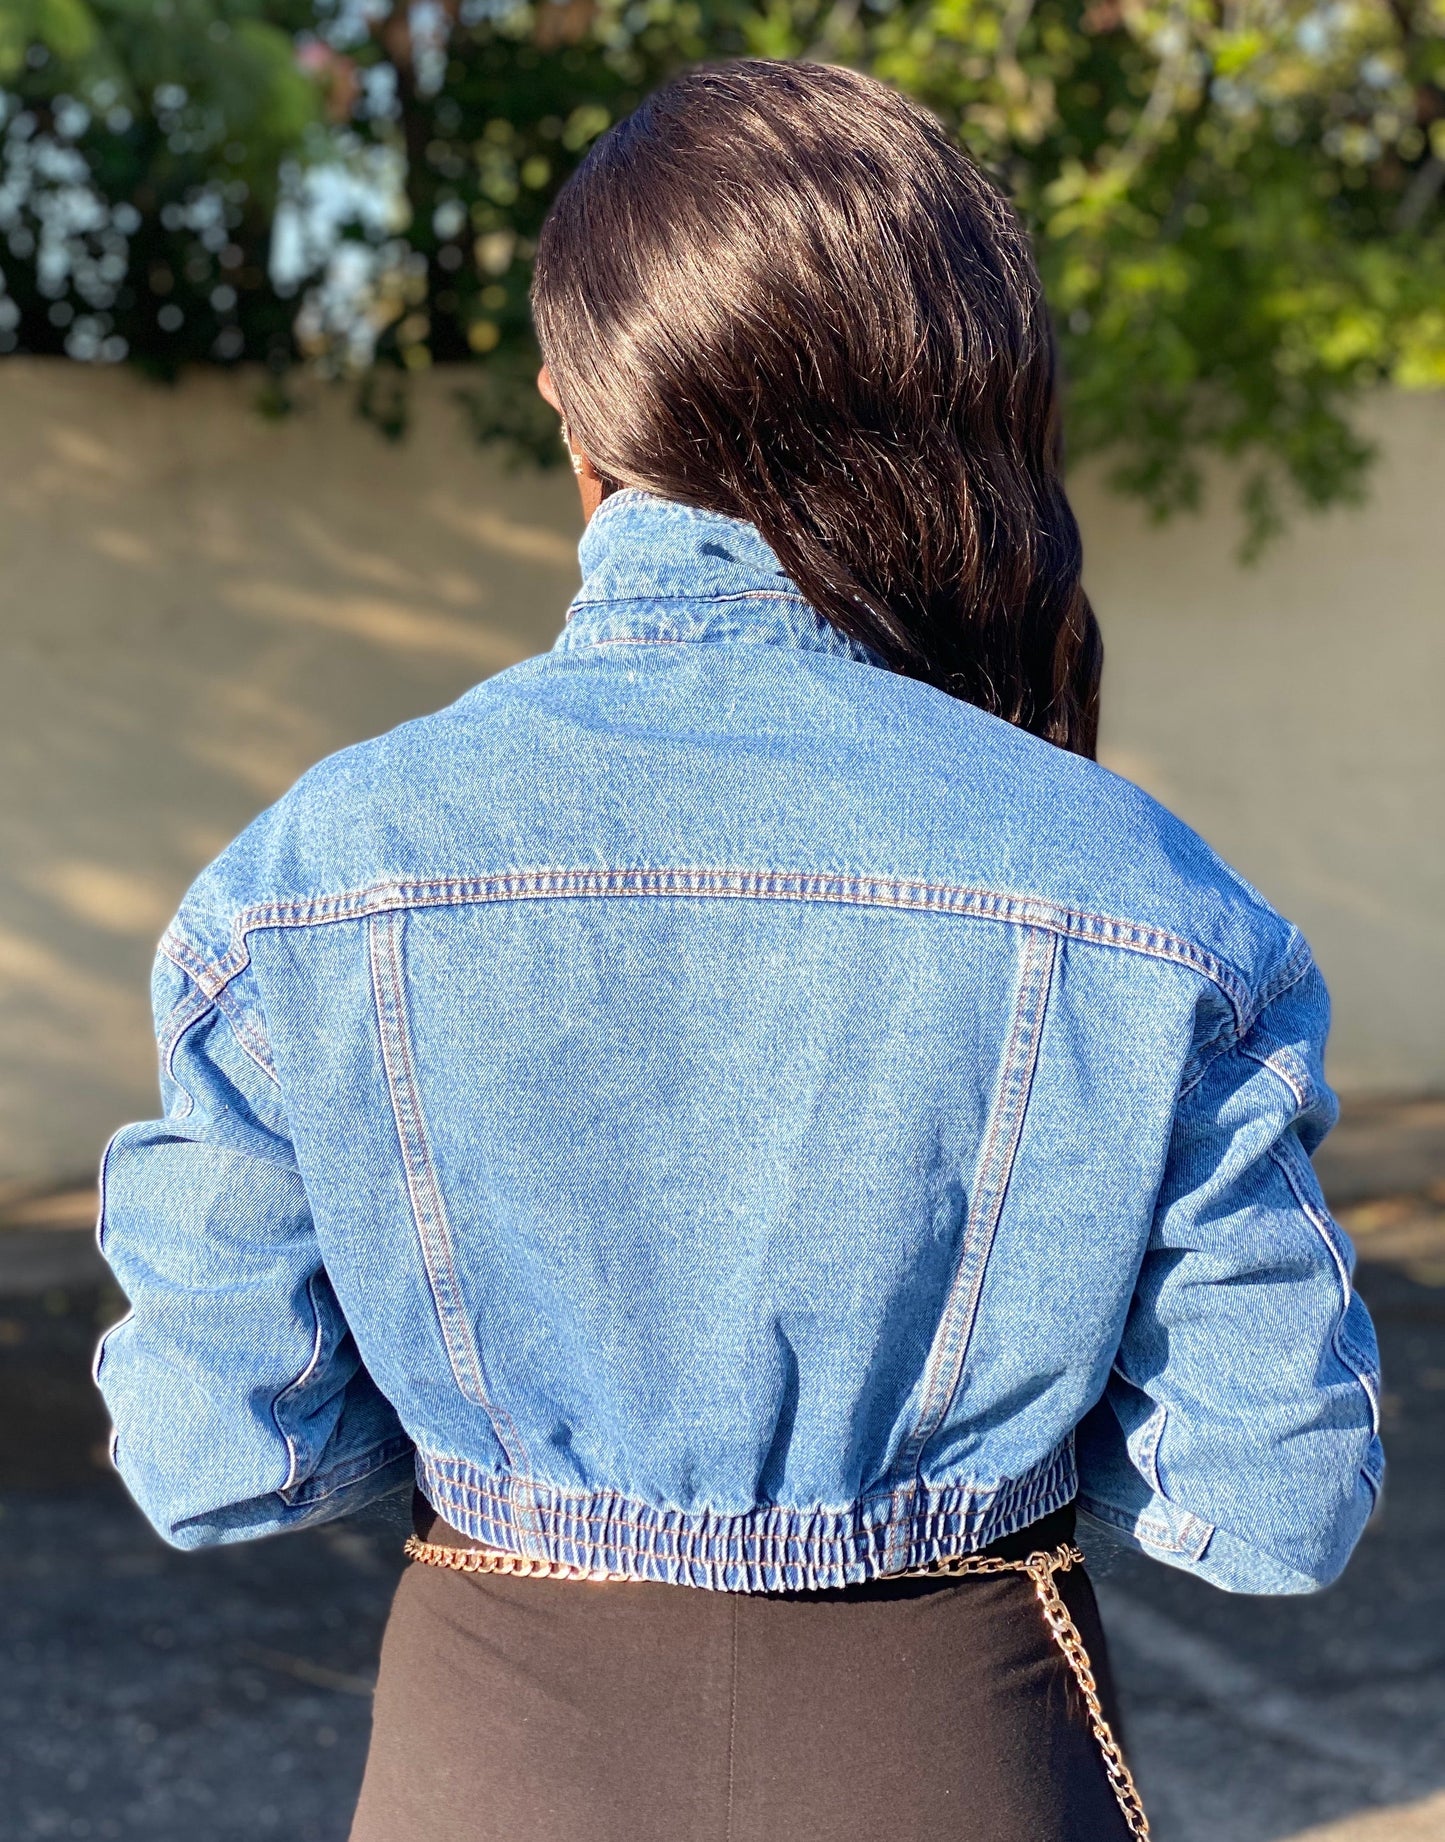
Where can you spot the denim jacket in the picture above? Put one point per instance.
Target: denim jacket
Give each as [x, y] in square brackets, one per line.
[718, 1110]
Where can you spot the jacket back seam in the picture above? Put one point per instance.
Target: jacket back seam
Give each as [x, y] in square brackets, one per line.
[948, 1353]
[428, 1207]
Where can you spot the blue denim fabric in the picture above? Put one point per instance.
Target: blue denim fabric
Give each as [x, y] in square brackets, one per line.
[726, 1112]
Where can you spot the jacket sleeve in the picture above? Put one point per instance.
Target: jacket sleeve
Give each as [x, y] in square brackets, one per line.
[239, 1402]
[1238, 1437]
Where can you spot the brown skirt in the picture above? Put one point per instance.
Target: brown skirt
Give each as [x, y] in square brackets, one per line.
[538, 1710]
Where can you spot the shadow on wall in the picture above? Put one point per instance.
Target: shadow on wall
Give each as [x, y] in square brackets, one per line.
[197, 605]
[1290, 712]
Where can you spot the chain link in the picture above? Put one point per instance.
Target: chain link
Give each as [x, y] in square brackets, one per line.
[1066, 1635]
[1041, 1567]
[497, 1560]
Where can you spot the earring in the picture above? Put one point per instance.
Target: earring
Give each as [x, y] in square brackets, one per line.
[573, 456]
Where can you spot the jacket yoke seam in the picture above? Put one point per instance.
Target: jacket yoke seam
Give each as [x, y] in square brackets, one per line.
[843, 889]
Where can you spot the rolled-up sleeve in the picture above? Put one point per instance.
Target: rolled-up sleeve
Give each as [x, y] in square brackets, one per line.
[1238, 1436]
[239, 1402]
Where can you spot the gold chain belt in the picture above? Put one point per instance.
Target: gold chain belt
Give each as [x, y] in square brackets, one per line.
[1040, 1567]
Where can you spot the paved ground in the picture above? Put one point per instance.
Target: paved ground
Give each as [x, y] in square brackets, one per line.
[167, 1698]
[145, 1694]
[1258, 1719]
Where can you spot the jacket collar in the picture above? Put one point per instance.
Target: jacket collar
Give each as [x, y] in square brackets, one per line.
[655, 571]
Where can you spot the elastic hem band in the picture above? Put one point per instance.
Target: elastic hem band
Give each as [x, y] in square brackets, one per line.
[773, 1548]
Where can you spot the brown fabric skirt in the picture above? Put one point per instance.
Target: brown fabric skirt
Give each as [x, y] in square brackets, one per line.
[534, 1710]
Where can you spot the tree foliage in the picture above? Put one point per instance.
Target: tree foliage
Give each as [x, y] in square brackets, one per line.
[142, 146]
[1237, 203]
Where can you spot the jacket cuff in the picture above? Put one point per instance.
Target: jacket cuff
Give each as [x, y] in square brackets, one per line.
[330, 1494]
[1164, 1532]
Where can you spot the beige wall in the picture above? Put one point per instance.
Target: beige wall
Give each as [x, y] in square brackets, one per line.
[196, 603]
[1293, 714]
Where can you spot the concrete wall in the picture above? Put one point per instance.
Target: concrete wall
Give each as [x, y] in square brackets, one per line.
[196, 603]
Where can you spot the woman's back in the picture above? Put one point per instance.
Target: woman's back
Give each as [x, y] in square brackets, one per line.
[734, 1089]
[742, 1101]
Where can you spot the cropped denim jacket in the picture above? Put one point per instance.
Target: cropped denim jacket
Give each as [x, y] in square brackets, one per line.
[710, 1107]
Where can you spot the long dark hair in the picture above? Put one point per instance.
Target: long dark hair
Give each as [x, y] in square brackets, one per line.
[780, 292]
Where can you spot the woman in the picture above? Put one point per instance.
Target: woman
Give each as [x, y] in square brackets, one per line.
[741, 1106]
